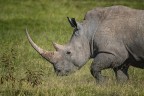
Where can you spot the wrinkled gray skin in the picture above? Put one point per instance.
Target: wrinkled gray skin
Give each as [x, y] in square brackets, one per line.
[112, 36]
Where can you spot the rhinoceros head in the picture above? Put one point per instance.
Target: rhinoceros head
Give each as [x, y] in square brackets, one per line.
[70, 57]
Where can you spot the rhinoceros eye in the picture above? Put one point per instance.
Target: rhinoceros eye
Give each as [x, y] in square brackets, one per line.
[68, 52]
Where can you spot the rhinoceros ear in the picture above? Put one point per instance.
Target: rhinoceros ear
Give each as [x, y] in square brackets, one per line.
[72, 22]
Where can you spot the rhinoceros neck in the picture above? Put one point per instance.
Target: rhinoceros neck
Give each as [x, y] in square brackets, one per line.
[91, 27]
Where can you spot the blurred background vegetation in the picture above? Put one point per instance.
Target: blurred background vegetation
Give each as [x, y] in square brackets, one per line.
[24, 73]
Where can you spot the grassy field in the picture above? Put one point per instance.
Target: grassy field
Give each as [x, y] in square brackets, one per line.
[24, 73]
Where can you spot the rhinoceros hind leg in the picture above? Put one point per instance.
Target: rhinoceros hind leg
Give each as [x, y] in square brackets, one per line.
[121, 73]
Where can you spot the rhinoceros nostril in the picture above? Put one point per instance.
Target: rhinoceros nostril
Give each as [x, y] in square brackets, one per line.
[67, 71]
[58, 70]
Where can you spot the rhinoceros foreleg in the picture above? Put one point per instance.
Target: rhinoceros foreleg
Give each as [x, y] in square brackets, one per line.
[122, 73]
[103, 61]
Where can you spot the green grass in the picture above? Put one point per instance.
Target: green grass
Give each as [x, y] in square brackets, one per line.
[24, 73]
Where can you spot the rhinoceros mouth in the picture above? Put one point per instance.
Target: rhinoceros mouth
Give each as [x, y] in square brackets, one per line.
[65, 73]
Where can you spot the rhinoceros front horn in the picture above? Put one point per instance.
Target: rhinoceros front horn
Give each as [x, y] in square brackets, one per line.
[48, 55]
